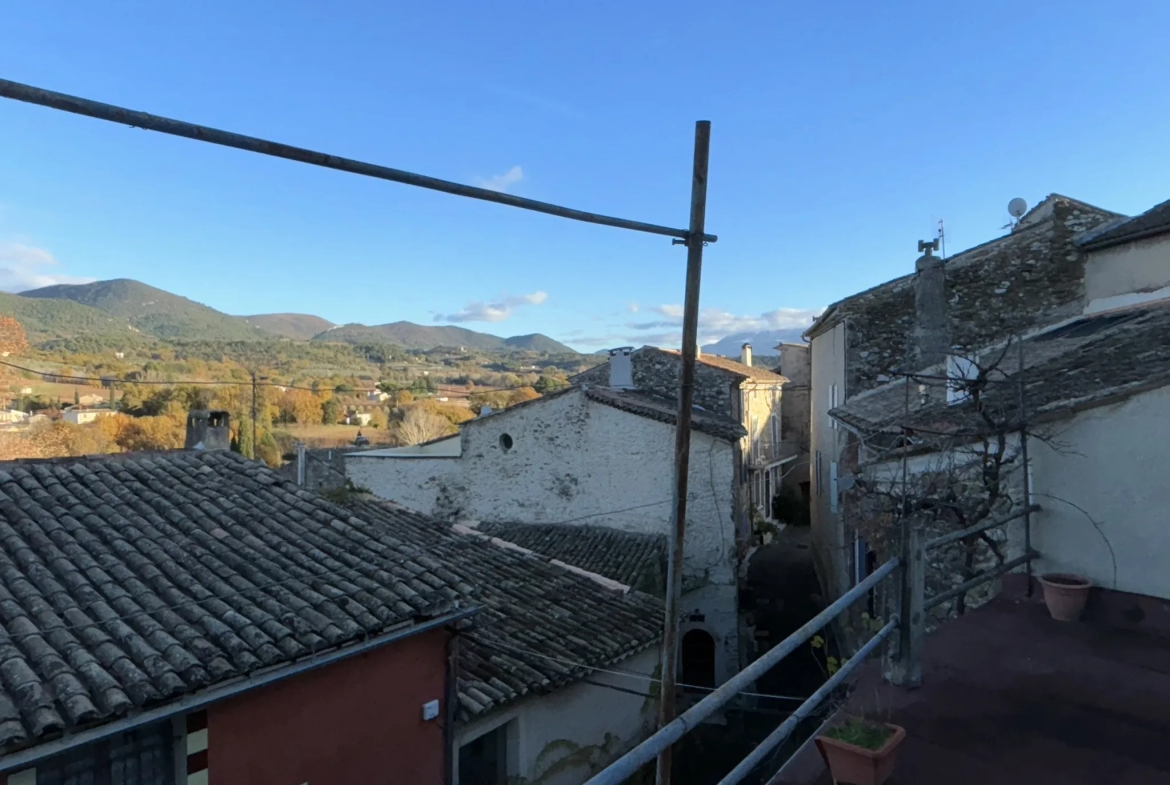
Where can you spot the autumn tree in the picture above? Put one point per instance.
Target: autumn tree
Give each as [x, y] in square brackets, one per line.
[330, 411]
[420, 424]
[378, 418]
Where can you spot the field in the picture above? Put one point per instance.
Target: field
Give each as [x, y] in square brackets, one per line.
[326, 436]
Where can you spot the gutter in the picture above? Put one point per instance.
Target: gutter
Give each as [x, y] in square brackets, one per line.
[30, 756]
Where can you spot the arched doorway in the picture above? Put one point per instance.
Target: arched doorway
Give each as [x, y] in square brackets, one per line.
[698, 659]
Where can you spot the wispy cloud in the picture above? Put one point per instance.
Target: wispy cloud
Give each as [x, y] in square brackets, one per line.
[716, 324]
[633, 307]
[495, 310]
[501, 182]
[24, 267]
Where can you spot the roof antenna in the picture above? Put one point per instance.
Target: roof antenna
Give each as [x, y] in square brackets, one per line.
[942, 238]
[1016, 209]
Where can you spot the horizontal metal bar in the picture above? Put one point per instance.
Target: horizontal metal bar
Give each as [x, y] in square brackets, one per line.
[116, 114]
[629, 764]
[983, 526]
[978, 580]
[200, 700]
[777, 737]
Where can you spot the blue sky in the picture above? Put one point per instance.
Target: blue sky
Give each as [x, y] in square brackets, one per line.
[842, 133]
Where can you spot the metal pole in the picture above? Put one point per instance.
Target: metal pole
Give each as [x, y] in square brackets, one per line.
[201, 133]
[907, 667]
[682, 438]
[1024, 460]
[253, 455]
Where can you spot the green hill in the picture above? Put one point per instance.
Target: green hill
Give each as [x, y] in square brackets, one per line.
[294, 326]
[47, 319]
[153, 311]
[425, 337]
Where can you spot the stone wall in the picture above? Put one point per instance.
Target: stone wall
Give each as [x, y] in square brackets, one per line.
[656, 371]
[324, 469]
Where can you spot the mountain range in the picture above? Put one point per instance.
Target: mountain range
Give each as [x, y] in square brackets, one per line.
[126, 307]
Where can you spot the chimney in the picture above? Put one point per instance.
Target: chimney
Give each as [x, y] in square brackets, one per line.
[621, 368]
[745, 356]
[698, 351]
[208, 430]
[932, 340]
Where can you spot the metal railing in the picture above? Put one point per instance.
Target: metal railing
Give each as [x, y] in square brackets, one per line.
[907, 609]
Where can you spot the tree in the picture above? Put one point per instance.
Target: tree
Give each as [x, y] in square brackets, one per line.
[405, 398]
[522, 395]
[378, 418]
[330, 411]
[547, 384]
[419, 425]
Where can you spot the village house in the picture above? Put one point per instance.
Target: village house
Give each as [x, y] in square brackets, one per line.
[13, 416]
[190, 617]
[741, 390]
[1032, 276]
[592, 455]
[82, 415]
[795, 425]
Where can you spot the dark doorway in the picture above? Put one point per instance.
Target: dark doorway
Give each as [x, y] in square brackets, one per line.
[484, 760]
[698, 659]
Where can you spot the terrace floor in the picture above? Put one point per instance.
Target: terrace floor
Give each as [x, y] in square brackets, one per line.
[1011, 696]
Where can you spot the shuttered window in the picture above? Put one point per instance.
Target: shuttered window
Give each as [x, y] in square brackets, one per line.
[144, 756]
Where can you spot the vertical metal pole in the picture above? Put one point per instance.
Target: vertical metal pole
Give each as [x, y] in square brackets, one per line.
[907, 670]
[1024, 460]
[253, 455]
[682, 439]
[301, 467]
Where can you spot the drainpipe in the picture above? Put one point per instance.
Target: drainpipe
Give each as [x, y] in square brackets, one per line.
[449, 701]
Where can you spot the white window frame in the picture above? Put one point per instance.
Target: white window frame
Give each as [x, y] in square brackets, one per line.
[833, 486]
[833, 401]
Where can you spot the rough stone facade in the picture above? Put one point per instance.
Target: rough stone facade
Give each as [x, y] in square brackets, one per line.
[657, 371]
[324, 469]
[796, 420]
[1031, 277]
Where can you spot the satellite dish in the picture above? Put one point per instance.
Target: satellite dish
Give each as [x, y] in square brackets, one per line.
[1017, 207]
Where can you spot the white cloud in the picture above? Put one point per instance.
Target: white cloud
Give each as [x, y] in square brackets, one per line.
[24, 267]
[501, 182]
[634, 307]
[494, 311]
[716, 324]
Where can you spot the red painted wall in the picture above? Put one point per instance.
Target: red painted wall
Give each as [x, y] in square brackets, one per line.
[356, 721]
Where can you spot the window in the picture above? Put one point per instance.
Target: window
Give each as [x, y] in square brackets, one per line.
[144, 756]
[960, 370]
[505, 442]
[775, 429]
[484, 759]
[817, 472]
[756, 438]
[833, 402]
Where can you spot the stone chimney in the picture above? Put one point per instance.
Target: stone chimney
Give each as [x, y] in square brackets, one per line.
[208, 430]
[698, 351]
[932, 339]
[745, 355]
[621, 368]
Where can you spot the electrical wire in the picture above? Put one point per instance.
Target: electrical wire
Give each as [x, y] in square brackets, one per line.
[612, 672]
[235, 383]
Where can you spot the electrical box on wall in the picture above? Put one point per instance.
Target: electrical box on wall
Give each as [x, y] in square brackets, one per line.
[430, 710]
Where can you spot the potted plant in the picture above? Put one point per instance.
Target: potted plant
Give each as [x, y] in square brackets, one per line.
[861, 751]
[1065, 594]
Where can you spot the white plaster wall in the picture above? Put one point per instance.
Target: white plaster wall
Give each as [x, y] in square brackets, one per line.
[828, 368]
[581, 715]
[1118, 479]
[447, 448]
[1142, 266]
[573, 460]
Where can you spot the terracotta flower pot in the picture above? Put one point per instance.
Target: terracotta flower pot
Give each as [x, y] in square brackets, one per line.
[853, 765]
[1065, 595]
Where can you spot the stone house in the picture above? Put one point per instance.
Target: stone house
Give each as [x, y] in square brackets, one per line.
[795, 424]
[747, 393]
[591, 456]
[1091, 366]
[218, 624]
[81, 415]
[1032, 276]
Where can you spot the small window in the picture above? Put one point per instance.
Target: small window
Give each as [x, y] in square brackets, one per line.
[833, 486]
[960, 370]
[505, 442]
[833, 403]
[484, 760]
[698, 659]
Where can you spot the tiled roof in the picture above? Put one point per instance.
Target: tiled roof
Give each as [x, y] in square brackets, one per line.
[754, 372]
[130, 581]
[636, 560]
[539, 623]
[1069, 366]
[666, 410]
[1152, 222]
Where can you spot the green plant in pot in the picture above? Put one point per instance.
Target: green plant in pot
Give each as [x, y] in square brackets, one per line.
[858, 750]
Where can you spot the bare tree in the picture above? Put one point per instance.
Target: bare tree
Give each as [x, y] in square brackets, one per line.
[420, 425]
